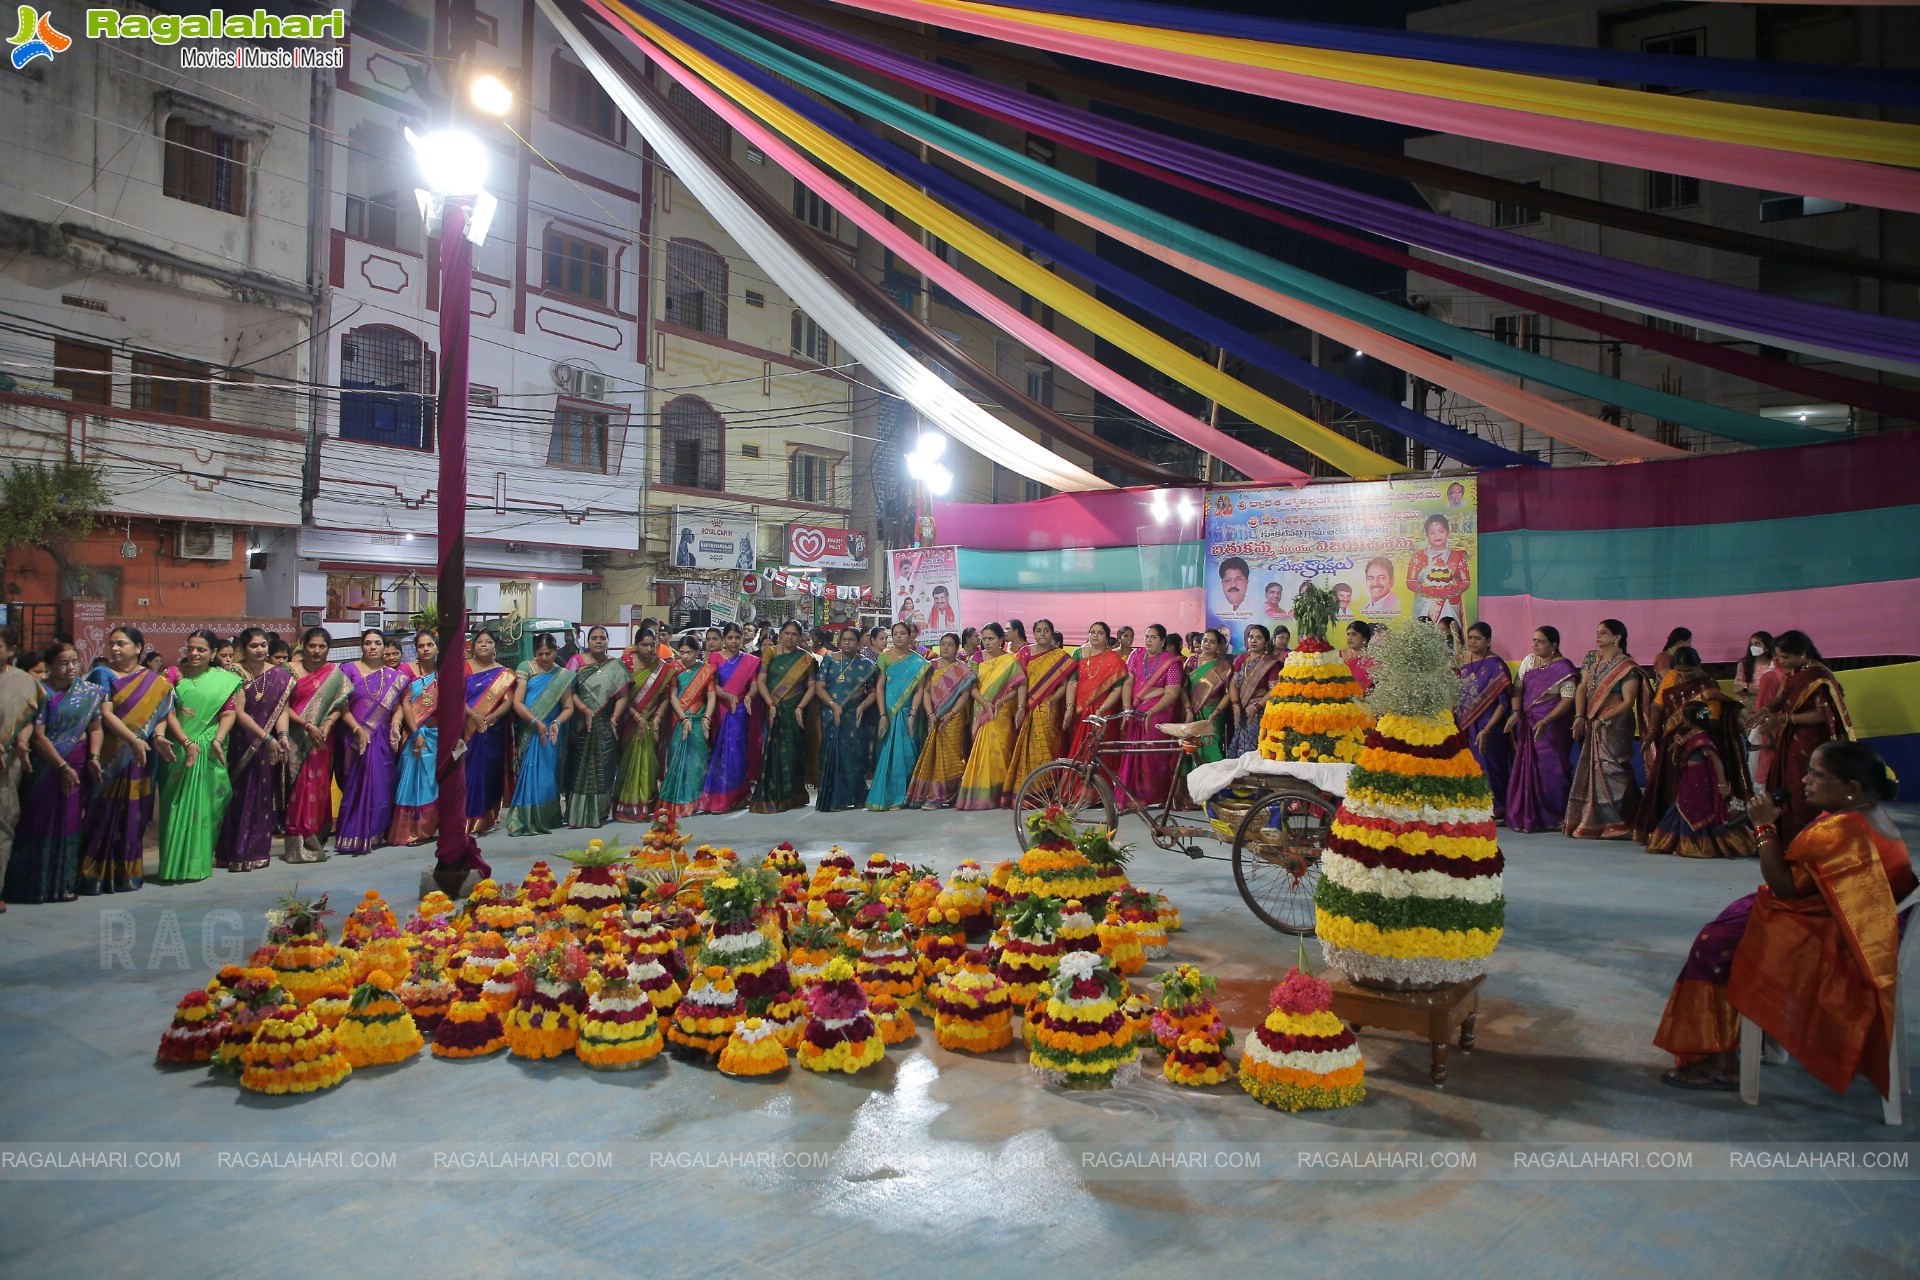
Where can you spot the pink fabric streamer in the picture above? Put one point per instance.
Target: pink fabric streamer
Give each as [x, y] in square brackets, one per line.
[1073, 611]
[1107, 518]
[1853, 181]
[1243, 457]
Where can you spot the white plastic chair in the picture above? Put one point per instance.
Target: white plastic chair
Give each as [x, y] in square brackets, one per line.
[1751, 1037]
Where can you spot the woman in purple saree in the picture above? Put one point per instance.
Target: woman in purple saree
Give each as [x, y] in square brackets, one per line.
[1486, 689]
[364, 758]
[115, 825]
[254, 752]
[1542, 729]
[730, 773]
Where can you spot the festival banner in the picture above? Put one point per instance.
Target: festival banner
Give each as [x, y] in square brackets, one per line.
[1390, 551]
[813, 547]
[926, 588]
[712, 540]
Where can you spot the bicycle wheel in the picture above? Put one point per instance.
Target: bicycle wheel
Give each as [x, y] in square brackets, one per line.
[1085, 796]
[1276, 854]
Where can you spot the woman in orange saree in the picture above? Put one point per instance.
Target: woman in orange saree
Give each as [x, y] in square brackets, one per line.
[1099, 684]
[1808, 712]
[1811, 957]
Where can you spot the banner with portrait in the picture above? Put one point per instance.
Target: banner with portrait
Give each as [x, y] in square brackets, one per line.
[926, 588]
[1391, 551]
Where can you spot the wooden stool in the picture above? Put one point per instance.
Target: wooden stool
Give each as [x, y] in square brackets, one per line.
[1432, 1014]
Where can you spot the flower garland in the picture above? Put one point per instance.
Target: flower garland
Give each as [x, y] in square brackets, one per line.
[1302, 1056]
[292, 1055]
[377, 1029]
[753, 1049]
[970, 1012]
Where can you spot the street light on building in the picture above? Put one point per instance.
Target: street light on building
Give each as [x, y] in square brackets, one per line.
[930, 478]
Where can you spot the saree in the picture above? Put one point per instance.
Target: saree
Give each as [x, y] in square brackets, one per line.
[1761, 742]
[246, 834]
[846, 742]
[490, 751]
[1537, 790]
[535, 807]
[1695, 821]
[984, 783]
[1145, 777]
[193, 797]
[316, 695]
[1811, 688]
[111, 860]
[1664, 742]
[1486, 689]
[1815, 972]
[1209, 684]
[943, 757]
[1099, 677]
[415, 819]
[684, 779]
[730, 773]
[46, 844]
[1603, 798]
[367, 778]
[893, 763]
[637, 786]
[1251, 684]
[593, 750]
[782, 784]
[1036, 739]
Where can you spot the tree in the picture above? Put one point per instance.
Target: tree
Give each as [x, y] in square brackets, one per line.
[44, 506]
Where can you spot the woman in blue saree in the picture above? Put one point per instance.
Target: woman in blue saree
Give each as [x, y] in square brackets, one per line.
[417, 739]
[543, 705]
[901, 669]
[844, 688]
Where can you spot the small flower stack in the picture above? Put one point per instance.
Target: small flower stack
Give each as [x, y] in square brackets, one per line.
[426, 995]
[754, 1049]
[502, 987]
[1303, 1057]
[1137, 909]
[490, 908]
[292, 1054]
[785, 861]
[1077, 930]
[305, 965]
[1052, 866]
[250, 1002]
[377, 1029]
[1080, 1038]
[942, 943]
[1031, 952]
[382, 947]
[651, 978]
[1196, 1061]
[545, 1019]
[621, 1028]
[648, 938]
[812, 944]
[1109, 862]
[430, 932]
[887, 967]
[660, 848]
[597, 885]
[892, 1019]
[372, 914]
[967, 887]
[199, 1025]
[470, 1030]
[541, 892]
[837, 863]
[840, 1034]
[1186, 1009]
[707, 1014]
[970, 1012]
[1314, 713]
[1120, 945]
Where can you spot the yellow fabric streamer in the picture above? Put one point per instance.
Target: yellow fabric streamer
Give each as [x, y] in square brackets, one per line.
[1023, 274]
[1840, 137]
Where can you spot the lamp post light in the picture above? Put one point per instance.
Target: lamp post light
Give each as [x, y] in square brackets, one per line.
[930, 478]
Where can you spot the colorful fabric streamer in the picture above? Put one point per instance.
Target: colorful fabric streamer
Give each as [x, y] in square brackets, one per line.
[1116, 518]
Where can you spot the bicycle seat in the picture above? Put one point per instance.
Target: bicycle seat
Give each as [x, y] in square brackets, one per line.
[1190, 729]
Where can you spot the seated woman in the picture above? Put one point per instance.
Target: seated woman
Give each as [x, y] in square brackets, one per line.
[1811, 956]
[1697, 821]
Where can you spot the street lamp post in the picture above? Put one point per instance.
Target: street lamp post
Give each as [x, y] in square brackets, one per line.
[930, 478]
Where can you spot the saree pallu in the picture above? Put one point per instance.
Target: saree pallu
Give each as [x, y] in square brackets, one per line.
[730, 772]
[115, 823]
[1537, 791]
[637, 786]
[984, 783]
[490, 751]
[46, 843]
[1811, 688]
[900, 743]
[193, 797]
[684, 780]
[1487, 688]
[846, 742]
[1099, 677]
[1816, 972]
[782, 784]
[1145, 778]
[246, 835]
[1603, 798]
[943, 757]
[1251, 684]
[1696, 822]
[367, 778]
[310, 769]
[1037, 738]
[415, 819]
[535, 808]
[1209, 684]
[593, 752]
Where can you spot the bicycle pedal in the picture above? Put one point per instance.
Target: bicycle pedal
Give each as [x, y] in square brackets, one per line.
[1195, 852]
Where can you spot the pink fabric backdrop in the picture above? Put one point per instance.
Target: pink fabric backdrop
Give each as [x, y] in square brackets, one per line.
[1115, 518]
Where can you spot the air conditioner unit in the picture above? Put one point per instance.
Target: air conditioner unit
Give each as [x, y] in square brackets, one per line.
[373, 620]
[588, 385]
[204, 542]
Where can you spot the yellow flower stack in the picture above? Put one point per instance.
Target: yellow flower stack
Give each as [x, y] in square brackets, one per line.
[1081, 1037]
[597, 886]
[754, 1049]
[1303, 1057]
[1313, 713]
[1120, 945]
[1053, 866]
[970, 1012]
[544, 1021]
[840, 1034]
[942, 943]
[1138, 910]
[382, 948]
[620, 1029]
[967, 887]
[377, 1029]
[292, 1054]
[887, 967]
[707, 1014]
[304, 963]
[1032, 952]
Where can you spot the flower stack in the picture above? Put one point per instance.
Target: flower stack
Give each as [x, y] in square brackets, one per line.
[1410, 894]
[1138, 910]
[479, 954]
[1303, 1057]
[1138, 1008]
[305, 964]
[1314, 713]
[662, 847]
[754, 1048]
[1196, 1061]
[431, 934]
[199, 1025]
[1167, 913]
[1081, 1038]
[1077, 931]
[922, 891]
[620, 1029]
[541, 892]
[839, 1034]
[489, 908]
[887, 967]
[370, 915]
[328, 1010]
[470, 1030]
[785, 861]
[894, 1022]
[545, 1019]
[1120, 944]
[745, 941]
[1108, 859]
[292, 1054]
[382, 947]
[254, 999]
[596, 887]
[647, 937]
[707, 1014]
[426, 995]
[970, 1012]
[811, 944]
[1031, 952]
[878, 871]
[377, 1029]
[998, 898]
[837, 863]
[942, 943]
[967, 888]
[1052, 866]
[502, 988]
[651, 978]
[1186, 1009]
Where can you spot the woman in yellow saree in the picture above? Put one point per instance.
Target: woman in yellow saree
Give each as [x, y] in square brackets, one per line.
[946, 697]
[999, 699]
[1040, 734]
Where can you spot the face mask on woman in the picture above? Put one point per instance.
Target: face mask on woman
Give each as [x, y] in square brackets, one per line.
[1757, 650]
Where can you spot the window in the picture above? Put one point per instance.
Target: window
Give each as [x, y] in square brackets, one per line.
[379, 186]
[1040, 383]
[205, 166]
[1509, 214]
[1032, 491]
[811, 209]
[580, 437]
[84, 369]
[692, 444]
[171, 386]
[810, 340]
[1520, 329]
[696, 287]
[1780, 208]
[579, 100]
[810, 477]
[1672, 191]
[575, 267]
[705, 121]
[1678, 44]
[385, 385]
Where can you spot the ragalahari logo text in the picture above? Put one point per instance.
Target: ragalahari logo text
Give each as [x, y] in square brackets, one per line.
[37, 38]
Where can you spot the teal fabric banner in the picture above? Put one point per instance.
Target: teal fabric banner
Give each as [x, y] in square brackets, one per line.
[1175, 566]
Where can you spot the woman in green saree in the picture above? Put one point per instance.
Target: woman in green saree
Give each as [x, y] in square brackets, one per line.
[844, 689]
[1207, 690]
[785, 685]
[543, 703]
[599, 696]
[194, 786]
[901, 669]
[650, 690]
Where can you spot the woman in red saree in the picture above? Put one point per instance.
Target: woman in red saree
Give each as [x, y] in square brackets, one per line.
[1811, 957]
[1604, 798]
[1099, 685]
[1160, 696]
[1670, 726]
[319, 696]
[1808, 712]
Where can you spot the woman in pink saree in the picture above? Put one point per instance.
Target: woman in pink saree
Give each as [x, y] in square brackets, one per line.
[1160, 696]
[319, 695]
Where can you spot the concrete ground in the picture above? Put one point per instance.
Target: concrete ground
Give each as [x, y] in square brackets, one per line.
[934, 1162]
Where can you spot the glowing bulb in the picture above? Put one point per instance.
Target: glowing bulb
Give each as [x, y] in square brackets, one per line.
[489, 93]
[453, 162]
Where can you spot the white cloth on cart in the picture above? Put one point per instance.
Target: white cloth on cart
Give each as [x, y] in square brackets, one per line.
[1207, 780]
